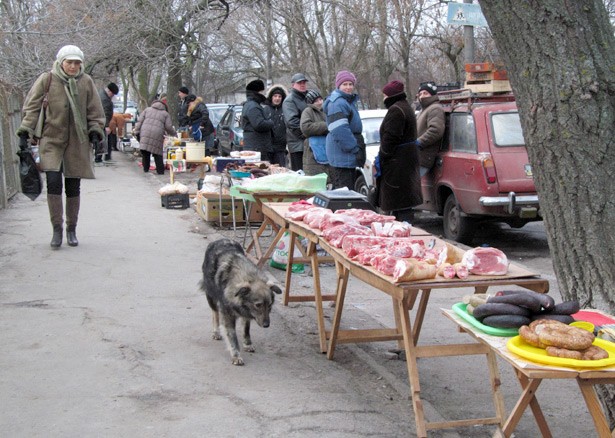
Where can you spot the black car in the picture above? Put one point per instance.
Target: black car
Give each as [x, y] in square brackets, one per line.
[229, 133]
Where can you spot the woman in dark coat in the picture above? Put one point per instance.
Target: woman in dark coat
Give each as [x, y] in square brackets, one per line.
[400, 182]
[256, 123]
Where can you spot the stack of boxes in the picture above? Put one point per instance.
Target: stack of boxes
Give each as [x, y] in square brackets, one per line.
[486, 77]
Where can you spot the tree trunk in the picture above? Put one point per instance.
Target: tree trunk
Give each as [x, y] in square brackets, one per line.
[560, 58]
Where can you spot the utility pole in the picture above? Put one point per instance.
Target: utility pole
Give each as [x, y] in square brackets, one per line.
[468, 41]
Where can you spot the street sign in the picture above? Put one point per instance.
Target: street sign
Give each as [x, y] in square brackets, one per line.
[466, 14]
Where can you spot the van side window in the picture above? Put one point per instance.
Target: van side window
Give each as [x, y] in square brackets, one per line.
[462, 133]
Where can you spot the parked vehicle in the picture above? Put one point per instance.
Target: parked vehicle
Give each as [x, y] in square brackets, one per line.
[216, 111]
[482, 172]
[229, 133]
[371, 119]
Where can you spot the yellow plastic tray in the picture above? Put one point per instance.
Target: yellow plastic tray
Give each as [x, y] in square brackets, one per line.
[535, 354]
[460, 309]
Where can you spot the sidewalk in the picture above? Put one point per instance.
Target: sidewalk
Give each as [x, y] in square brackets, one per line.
[113, 339]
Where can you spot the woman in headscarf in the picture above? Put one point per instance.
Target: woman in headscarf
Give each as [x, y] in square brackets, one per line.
[400, 183]
[73, 118]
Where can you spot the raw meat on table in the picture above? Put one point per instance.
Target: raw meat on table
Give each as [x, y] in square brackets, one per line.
[392, 229]
[336, 235]
[485, 261]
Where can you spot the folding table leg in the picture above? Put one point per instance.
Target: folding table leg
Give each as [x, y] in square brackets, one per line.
[595, 409]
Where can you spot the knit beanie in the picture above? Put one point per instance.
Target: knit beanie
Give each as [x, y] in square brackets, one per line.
[70, 53]
[113, 88]
[184, 90]
[311, 96]
[344, 76]
[429, 87]
[256, 85]
[393, 88]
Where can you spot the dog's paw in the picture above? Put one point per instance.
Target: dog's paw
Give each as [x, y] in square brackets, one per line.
[249, 348]
[237, 361]
[216, 336]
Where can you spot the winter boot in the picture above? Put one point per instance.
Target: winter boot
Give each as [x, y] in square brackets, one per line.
[72, 214]
[54, 202]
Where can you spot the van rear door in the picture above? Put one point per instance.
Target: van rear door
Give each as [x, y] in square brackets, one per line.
[514, 172]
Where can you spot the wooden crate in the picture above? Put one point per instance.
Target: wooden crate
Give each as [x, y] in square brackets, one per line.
[497, 75]
[488, 86]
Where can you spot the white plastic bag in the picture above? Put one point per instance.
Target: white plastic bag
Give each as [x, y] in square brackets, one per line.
[279, 258]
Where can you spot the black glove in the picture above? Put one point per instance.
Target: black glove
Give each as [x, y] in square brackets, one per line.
[23, 141]
[95, 137]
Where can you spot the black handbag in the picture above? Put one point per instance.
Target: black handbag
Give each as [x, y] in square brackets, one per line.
[31, 182]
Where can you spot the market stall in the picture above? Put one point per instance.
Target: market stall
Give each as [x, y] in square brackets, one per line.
[531, 374]
[404, 295]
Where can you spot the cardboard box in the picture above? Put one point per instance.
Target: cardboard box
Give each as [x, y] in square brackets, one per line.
[256, 214]
[213, 208]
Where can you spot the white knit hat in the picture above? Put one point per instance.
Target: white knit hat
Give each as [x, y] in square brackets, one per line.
[72, 53]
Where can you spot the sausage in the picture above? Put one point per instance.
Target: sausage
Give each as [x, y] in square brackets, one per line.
[506, 321]
[566, 319]
[565, 308]
[520, 299]
[546, 301]
[489, 309]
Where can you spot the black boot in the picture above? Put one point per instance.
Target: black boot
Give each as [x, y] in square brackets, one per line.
[56, 239]
[54, 202]
[72, 214]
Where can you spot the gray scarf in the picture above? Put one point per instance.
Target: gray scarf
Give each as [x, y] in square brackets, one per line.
[70, 87]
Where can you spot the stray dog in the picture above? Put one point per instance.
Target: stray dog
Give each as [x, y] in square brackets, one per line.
[235, 288]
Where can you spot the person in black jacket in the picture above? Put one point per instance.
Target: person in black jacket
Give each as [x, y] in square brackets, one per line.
[293, 106]
[182, 119]
[106, 94]
[196, 114]
[275, 97]
[255, 120]
[400, 181]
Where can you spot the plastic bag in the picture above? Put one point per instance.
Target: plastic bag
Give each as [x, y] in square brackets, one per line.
[279, 258]
[318, 144]
[31, 183]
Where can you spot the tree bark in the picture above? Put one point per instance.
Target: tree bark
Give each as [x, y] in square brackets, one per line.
[561, 64]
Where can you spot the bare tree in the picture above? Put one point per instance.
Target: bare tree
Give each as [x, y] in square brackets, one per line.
[560, 55]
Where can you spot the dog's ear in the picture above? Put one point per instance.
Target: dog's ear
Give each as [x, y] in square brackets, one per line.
[243, 291]
[275, 288]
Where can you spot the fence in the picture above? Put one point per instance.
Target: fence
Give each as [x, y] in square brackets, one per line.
[10, 118]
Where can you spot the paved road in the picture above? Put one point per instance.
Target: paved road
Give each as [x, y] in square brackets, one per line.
[112, 339]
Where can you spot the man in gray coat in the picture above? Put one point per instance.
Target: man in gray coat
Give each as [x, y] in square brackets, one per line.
[293, 106]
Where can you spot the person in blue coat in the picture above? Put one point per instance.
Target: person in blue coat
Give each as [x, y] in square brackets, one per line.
[345, 145]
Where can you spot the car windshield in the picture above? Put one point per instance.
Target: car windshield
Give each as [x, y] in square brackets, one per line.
[507, 129]
[371, 129]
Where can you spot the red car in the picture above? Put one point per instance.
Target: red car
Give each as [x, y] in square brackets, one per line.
[482, 171]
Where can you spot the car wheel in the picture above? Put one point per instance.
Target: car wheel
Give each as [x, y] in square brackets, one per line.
[361, 186]
[456, 226]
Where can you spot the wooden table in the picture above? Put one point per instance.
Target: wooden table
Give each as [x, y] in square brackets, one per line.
[200, 164]
[277, 224]
[530, 376]
[404, 297]
[276, 211]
